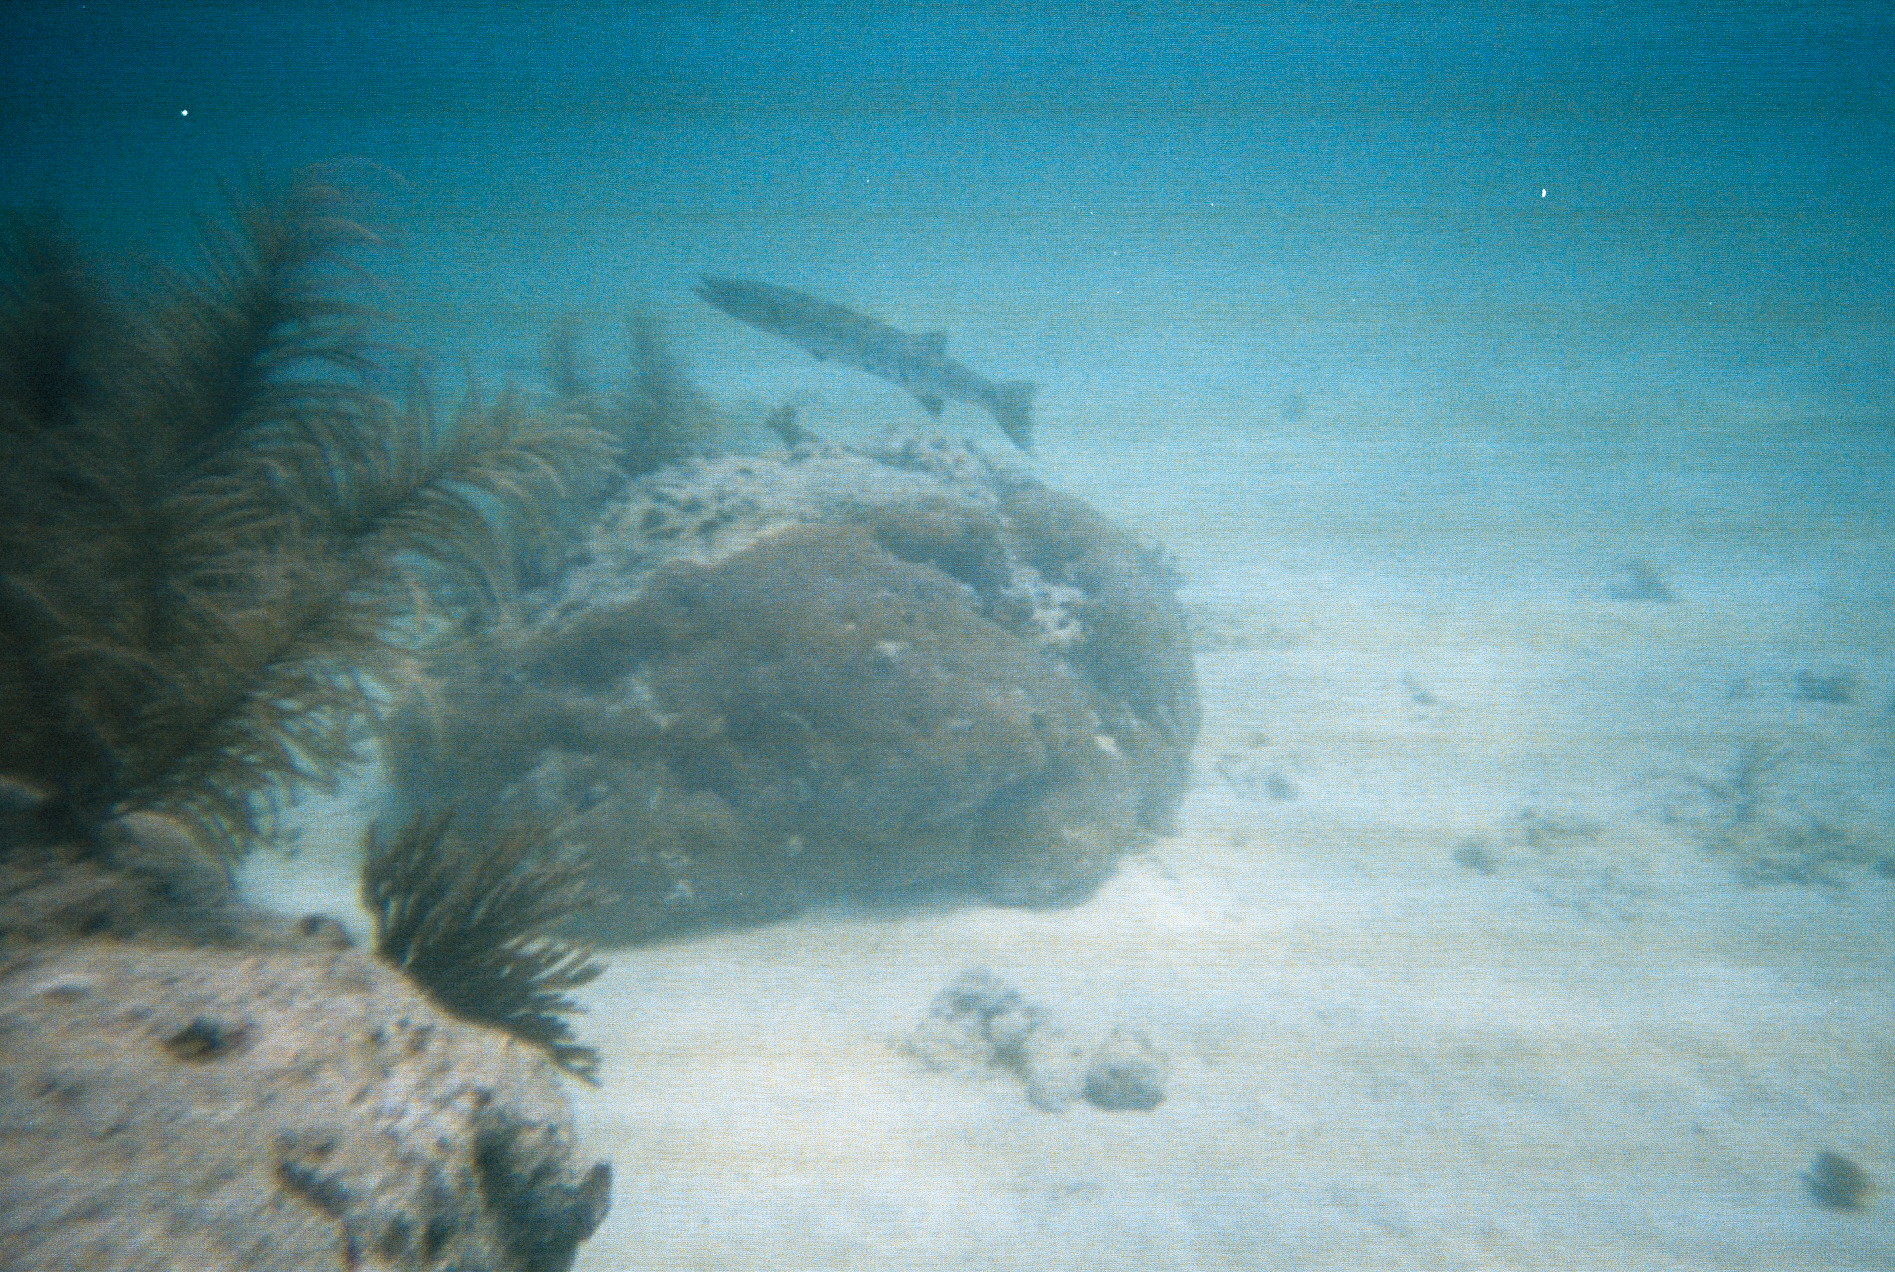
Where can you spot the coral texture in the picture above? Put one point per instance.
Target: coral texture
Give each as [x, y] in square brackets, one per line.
[225, 1110]
[833, 673]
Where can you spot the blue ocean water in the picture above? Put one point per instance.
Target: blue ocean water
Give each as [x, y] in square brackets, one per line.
[1565, 219]
[1426, 337]
[1583, 209]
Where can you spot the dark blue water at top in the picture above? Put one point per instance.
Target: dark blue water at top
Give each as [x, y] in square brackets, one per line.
[1667, 208]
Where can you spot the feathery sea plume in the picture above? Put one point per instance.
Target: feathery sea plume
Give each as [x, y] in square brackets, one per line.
[216, 533]
[468, 919]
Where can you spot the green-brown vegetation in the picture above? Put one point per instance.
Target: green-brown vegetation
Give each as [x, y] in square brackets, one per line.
[217, 531]
[467, 917]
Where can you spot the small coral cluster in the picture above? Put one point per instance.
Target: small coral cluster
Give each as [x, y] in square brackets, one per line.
[980, 1023]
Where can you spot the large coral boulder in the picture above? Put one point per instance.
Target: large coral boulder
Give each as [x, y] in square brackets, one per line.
[223, 1109]
[832, 673]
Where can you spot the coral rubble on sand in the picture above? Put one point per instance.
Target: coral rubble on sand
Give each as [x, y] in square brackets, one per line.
[980, 1024]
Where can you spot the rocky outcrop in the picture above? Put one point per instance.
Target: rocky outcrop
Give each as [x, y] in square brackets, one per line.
[271, 1109]
[144, 878]
[835, 672]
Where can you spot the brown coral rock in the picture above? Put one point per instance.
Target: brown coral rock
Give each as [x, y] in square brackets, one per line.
[222, 1109]
[1137, 645]
[841, 673]
[817, 690]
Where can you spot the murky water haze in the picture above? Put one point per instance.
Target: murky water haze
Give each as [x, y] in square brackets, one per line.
[1517, 394]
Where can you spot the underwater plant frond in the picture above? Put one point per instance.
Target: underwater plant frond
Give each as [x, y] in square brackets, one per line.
[269, 332]
[261, 341]
[467, 496]
[468, 920]
[656, 413]
[401, 503]
[149, 614]
[214, 532]
[59, 335]
[223, 745]
[475, 501]
[259, 344]
[55, 324]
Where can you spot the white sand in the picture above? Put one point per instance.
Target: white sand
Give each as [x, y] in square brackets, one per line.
[1405, 425]
[1608, 1052]
[1406, 329]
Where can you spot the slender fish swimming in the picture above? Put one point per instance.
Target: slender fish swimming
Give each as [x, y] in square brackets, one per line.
[919, 363]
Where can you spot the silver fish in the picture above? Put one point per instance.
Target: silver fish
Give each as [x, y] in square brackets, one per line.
[918, 363]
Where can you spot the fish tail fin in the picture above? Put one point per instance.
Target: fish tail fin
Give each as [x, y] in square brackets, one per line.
[1011, 402]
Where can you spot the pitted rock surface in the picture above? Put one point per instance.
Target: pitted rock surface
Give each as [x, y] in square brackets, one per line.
[835, 672]
[226, 1109]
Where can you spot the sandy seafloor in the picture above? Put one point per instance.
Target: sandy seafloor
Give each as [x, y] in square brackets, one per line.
[1613, 1034]
[1519, 917]
[1518, 400]
[1603, 1044]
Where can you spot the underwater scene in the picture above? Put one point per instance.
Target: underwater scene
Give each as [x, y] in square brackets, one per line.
[849, 635]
